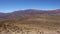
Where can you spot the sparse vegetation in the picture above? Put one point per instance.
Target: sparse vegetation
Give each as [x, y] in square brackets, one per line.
[30, 23]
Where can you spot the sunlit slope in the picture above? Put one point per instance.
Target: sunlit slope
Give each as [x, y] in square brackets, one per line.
[50, 24]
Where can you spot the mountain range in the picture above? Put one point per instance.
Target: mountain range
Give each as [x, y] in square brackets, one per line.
[30, 12]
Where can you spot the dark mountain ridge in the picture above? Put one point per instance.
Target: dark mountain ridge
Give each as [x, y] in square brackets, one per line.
[30, 12]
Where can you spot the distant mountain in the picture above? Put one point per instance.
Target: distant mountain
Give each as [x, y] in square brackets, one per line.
[30, 12]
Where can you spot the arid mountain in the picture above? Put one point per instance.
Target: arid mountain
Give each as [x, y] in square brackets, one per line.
[30, 12]
[30, 22]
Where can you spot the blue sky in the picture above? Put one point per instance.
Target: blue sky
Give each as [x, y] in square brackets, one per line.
[13, 5]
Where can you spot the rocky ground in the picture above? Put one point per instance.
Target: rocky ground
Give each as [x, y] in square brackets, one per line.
[31, 25]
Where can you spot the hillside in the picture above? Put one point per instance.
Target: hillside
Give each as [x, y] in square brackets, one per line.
[31, 25]
[30, 22]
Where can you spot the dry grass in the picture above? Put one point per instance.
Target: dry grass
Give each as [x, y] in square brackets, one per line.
[47, 24]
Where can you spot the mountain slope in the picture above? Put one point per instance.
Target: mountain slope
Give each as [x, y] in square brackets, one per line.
[31, 25]
[30, 22]
[29, 12]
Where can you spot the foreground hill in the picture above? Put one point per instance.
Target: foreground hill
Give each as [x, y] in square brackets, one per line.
[31, 25]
